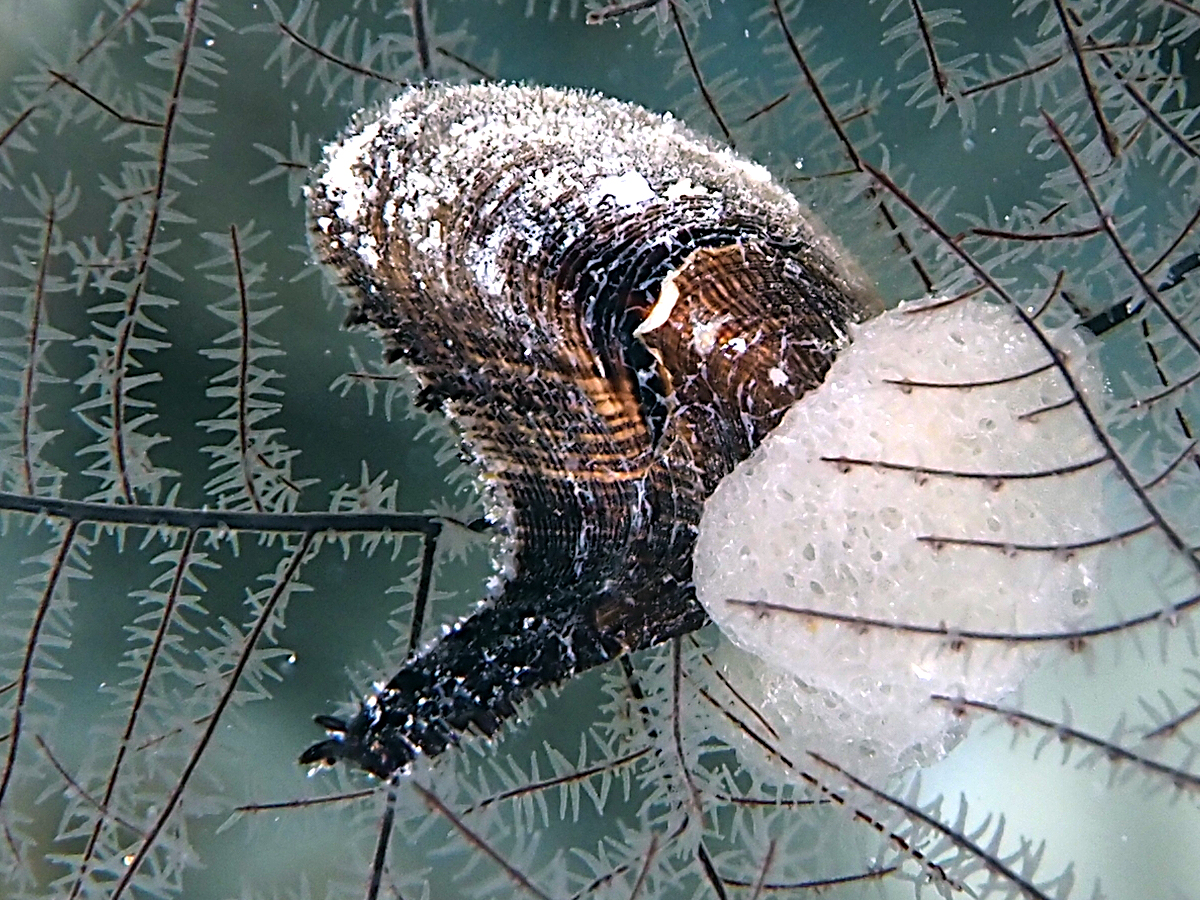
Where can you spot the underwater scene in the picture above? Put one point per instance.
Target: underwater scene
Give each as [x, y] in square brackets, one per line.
[820, 460]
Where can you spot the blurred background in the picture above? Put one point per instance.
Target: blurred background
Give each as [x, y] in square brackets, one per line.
[269, 83]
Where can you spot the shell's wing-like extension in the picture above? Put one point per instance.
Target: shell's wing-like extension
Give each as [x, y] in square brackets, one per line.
[613, 311]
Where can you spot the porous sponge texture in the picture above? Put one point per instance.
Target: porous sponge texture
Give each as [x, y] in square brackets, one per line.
[925, 483]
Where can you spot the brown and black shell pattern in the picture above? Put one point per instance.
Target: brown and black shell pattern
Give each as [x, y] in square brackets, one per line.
[613, 311]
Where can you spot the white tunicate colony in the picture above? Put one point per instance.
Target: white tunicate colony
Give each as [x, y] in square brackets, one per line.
[792, 528]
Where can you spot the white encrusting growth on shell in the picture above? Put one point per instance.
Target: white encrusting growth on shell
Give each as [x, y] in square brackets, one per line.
[618, 153]
[840, 509]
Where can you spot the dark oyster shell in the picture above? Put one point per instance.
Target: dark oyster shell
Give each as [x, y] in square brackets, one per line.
[613, 311]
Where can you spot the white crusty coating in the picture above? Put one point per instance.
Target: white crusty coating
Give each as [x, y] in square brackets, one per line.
[592, 144]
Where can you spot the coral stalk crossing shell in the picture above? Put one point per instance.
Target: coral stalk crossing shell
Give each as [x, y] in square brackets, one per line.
[613, 311]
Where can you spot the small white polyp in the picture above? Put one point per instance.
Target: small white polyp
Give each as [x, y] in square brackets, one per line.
[789, 528]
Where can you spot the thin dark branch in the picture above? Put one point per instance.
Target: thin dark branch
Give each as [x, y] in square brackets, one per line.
[1114, 753]
[1151, 348]
[640, 882]
[989, 860]
[139, 699]
[814, 88]
[33, 357]
[1171, 388]
[107, 107]
[763, 110]
[710, 871]
[1173, 724]
[536, 787]
[698, 76]
[243, 383]
[307, 803]
[935, 67]
[741, 800]
[78, 511]
[1040, 236]
[25, 678]
[737, 696]
[1030, 415]
[1011, 77]
[122, 346]
[941, 303]
[1050, 295]
[996, 477]
[419, 16]
[386, 823]
[100, 806]
[171, 800]
[1189, 451]
[421, 598]
[614, 10]
[1062, 548]
[969, 385]
[435, 804]
[331, 58]
[22, 117]
[466, 64]
[817, 885]
[957, 636]
[1089, 83]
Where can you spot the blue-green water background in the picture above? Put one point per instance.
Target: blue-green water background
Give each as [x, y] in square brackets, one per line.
[338, 627]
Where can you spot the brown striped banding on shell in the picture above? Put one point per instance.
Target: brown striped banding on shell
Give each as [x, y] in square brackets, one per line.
[613, 312]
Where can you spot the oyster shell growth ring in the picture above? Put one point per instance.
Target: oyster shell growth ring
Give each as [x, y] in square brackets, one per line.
[613, 312]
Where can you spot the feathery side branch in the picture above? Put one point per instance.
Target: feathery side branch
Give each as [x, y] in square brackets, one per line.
[172, 798]
[1091, 89]
[33, 357]
[1180, 779]
[518, 878]
[139, 699]
[25, 677]
[321, 53]
[122, 345]
[30, 110]
[829, 794]
[1090, 416]
[990, 860]
[77, 511]
[697, 75]
[243, 393]
[956, 637]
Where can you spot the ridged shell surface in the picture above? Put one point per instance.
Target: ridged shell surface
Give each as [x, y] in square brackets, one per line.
[613, 311]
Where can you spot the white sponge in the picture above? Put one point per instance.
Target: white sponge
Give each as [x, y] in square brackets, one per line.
[792, 529]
